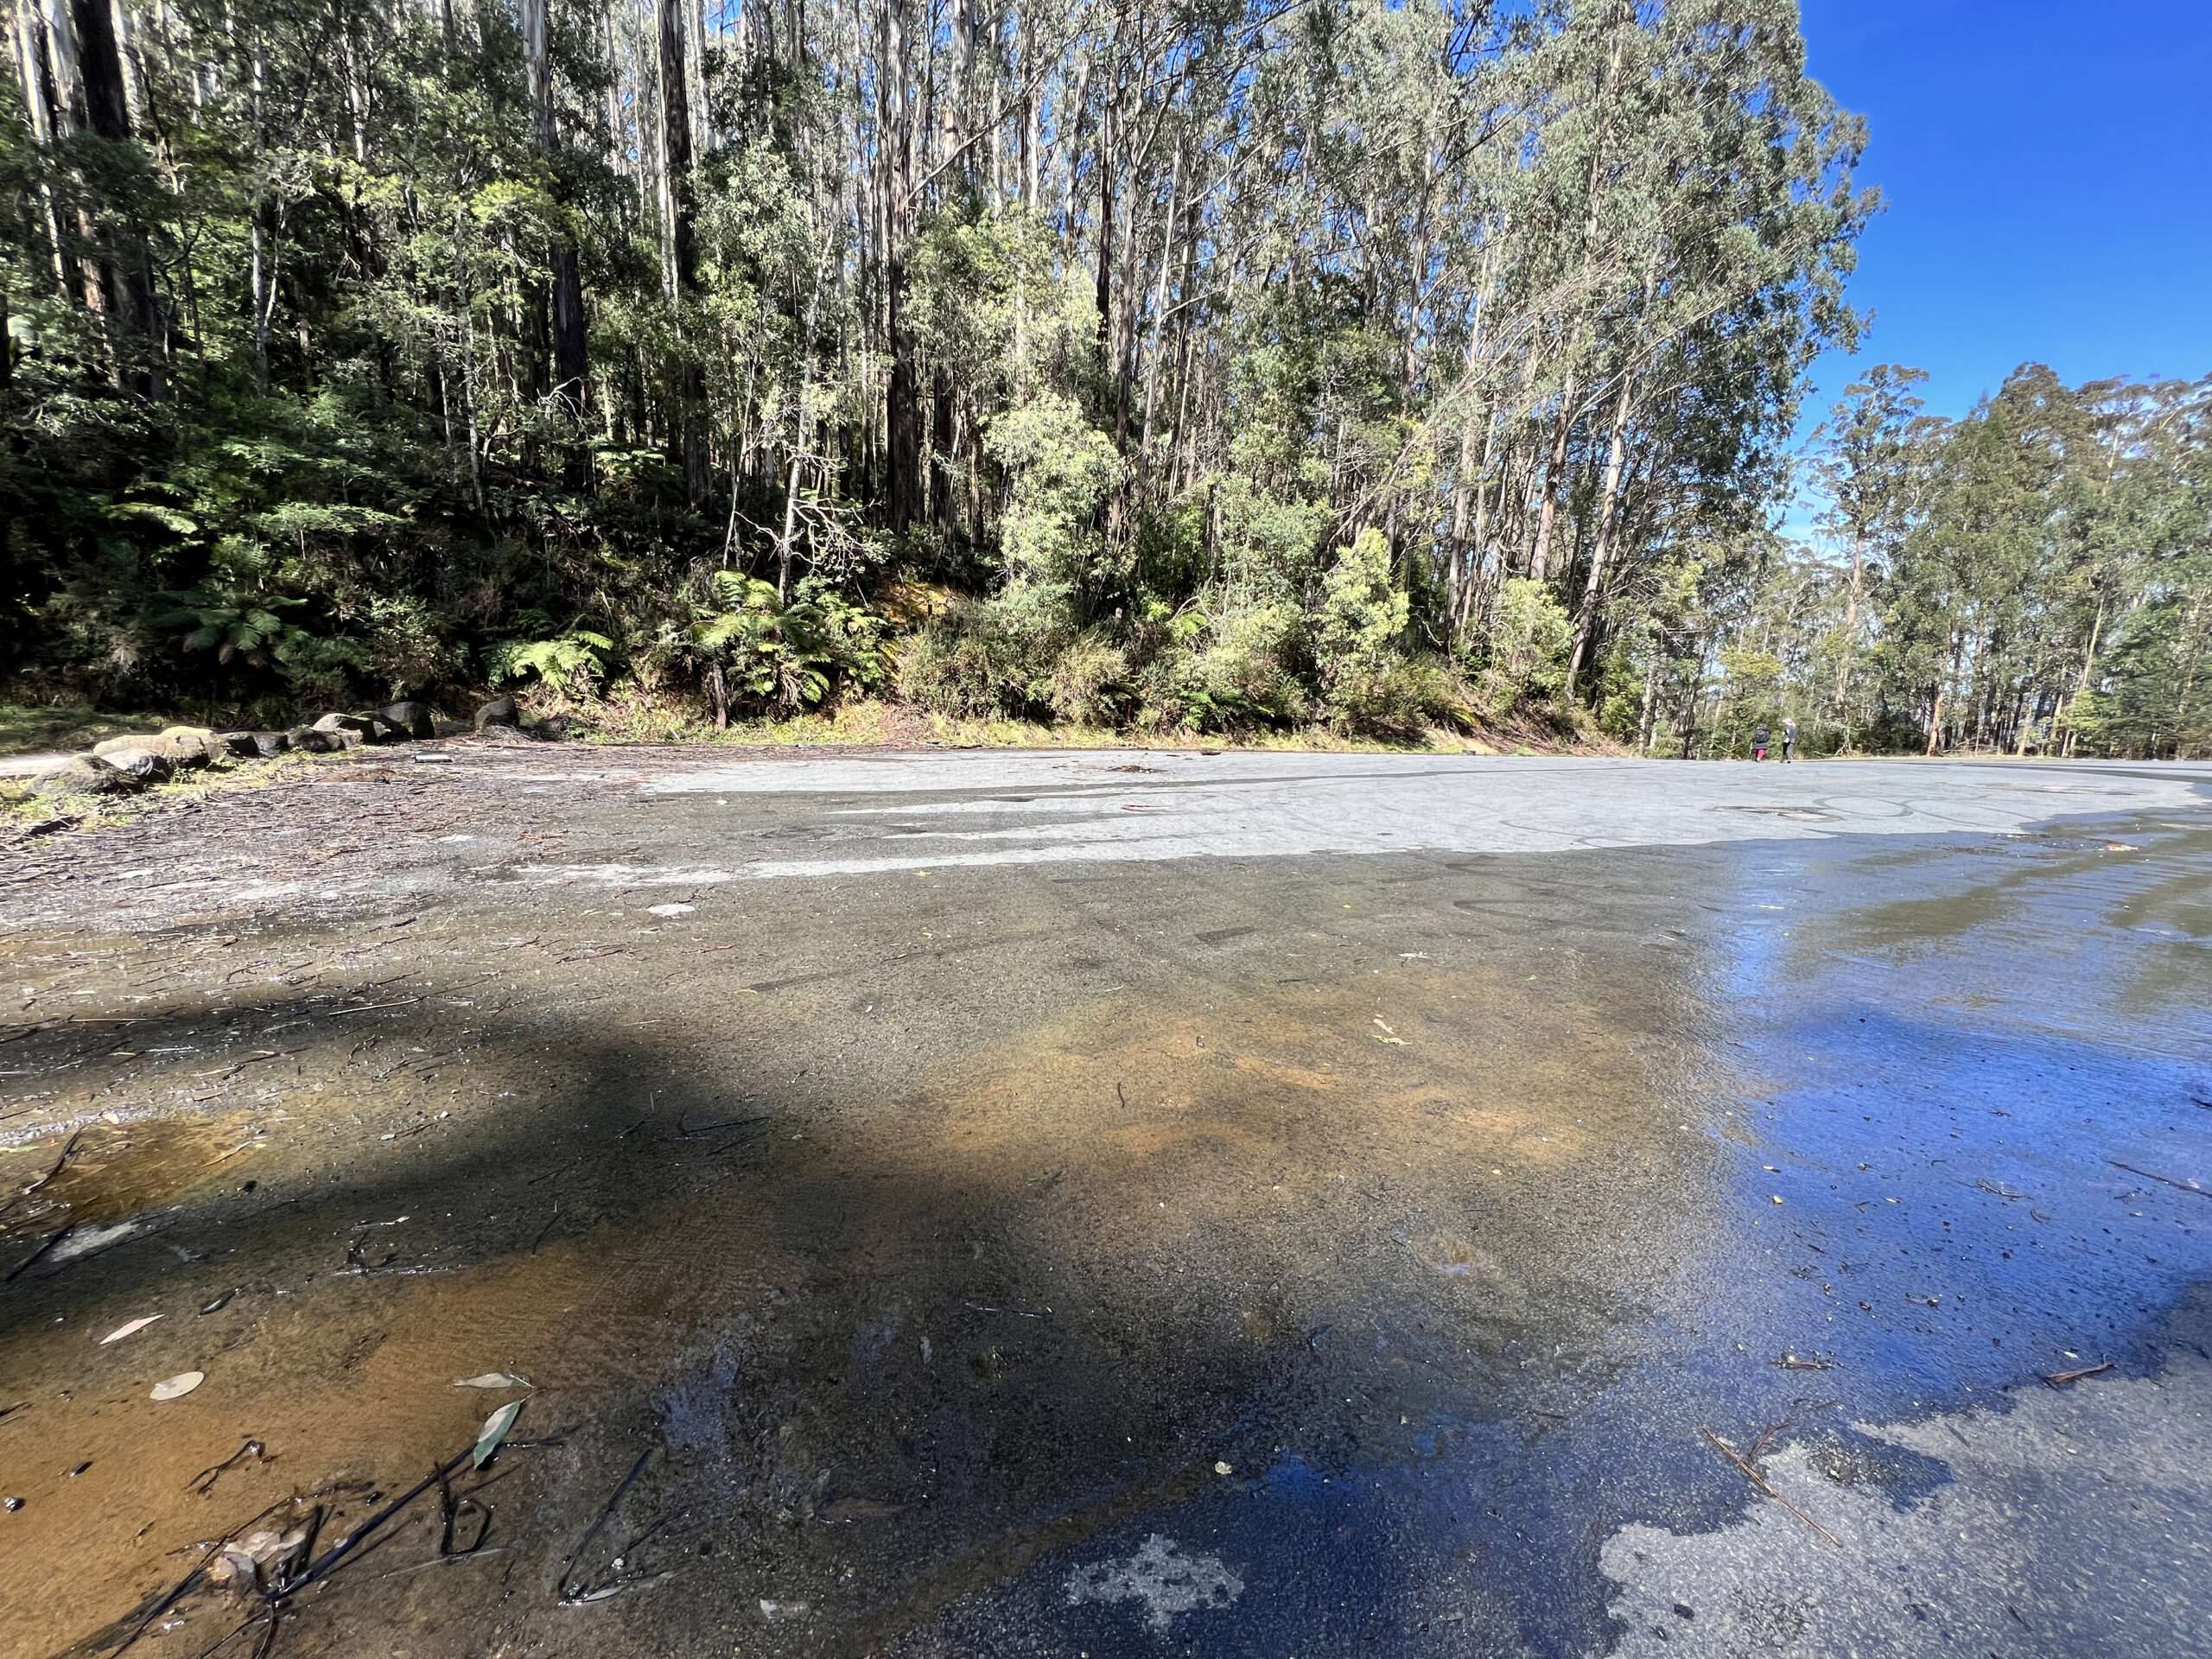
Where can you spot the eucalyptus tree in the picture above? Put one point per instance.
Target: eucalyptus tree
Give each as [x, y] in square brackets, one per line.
[1868, 464]
[1188, 349]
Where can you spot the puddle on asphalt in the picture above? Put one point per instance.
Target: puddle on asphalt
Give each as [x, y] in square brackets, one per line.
[64, 1197]
[1939, 1122]
[1404, 1282]
[883, 1356]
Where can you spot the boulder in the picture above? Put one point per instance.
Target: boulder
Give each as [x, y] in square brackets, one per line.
[181, 745]
[500, 711]
[309, 740]
[240, 744]
[408, 719]
[188, 746]
[268, 745]
[83, 775]
[144, 764]
[359, 725]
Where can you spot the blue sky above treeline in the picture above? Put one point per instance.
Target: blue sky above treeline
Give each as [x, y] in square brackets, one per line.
[2048, 172]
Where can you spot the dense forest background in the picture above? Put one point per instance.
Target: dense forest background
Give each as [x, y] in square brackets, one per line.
[1211, 365]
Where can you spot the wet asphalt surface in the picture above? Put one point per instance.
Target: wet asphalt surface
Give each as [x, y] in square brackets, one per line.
[1123, 1204]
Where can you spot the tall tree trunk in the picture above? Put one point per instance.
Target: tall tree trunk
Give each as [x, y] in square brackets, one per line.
[1105, 287]
[1547, 514]
[34, 65]
[128, 270]
[1850, 634]
[1586, 620]
[1651, 702]
[1167, 240]
[107, 110]
[683, 247]
[902, 393]
[571, 357]
[2088, 662]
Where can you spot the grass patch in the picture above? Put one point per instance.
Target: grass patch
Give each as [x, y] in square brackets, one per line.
[632, 716]
[28, 728]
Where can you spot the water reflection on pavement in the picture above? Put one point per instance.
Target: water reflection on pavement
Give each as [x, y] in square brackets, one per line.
[1221, 1255]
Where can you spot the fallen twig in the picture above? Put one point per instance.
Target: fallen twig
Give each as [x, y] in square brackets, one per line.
[204, 1482]
[336, 1555]
[254, 1059]
[568, 1591]
[683, 1128]
[1751, 1473]
[52, 1239]
[2186, 1186]
[70, 1147]
[2060, 1379]
[177, 1592]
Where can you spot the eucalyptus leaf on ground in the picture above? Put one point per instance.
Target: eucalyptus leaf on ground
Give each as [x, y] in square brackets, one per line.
[495, 1430]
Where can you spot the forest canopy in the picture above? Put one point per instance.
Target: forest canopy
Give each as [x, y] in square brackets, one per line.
[1196, 366]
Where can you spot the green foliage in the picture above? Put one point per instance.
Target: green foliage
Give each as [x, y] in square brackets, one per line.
[352, 371]
[1359, 629]
[768, 655]
[572, 663]
[1059, 469]
[1529, 638]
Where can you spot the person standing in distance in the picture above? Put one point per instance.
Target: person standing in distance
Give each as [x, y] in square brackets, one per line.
[1758, 744]
[1789, 738]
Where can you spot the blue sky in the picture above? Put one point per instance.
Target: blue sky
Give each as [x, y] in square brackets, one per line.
[2048, 173]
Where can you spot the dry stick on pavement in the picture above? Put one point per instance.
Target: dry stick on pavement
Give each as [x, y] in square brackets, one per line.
[210, 1476]
[52, 1239]
[1751, 1473]
[2148, 1175]
[176, 1593]
[2060, 1379]
[69, 1147]
[183, 1586]
[336, 1555]
[568, 1591]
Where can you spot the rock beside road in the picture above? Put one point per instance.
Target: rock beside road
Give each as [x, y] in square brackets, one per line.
[398, 721]
[143, 765]
[125, 766]
[83, 775]
[177, 746]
